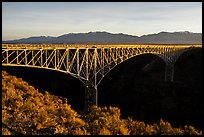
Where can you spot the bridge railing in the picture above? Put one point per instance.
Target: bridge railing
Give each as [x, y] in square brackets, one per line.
[92, 46]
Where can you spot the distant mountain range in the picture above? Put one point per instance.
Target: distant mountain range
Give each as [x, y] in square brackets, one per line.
[183, 37]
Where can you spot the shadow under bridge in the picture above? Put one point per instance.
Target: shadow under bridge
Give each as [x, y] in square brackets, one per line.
[88, 63]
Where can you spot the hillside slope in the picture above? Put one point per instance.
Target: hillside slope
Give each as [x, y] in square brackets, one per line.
[25, 110]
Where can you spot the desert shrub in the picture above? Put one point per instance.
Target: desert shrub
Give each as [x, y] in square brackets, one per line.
[25, 110]
[189, 130]
[105, 121]
[5, 131]
[165, 128]
[160, 128]
[135, 127]
[31, 112]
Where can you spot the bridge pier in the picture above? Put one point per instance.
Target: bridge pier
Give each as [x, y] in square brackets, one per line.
[91, 96]
[169, 72]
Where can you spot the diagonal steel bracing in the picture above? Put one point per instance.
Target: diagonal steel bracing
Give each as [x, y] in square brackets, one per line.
[88, 63]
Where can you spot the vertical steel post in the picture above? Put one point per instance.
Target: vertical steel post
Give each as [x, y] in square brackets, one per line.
[78, 72]
[109, 58]
[91, 92]
[17, 56]
[67, 59]
[25, 57]
[58, 56]
[7, 56]
[102, 52]
[87, 96]
[87, 64]
[95, 77]
[41, 55]
[55, 58]
[169, 72]
[33, 58]
[46, 59]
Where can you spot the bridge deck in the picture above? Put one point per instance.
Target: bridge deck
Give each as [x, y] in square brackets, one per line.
[93, 46]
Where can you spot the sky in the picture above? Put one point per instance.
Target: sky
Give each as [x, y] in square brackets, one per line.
[27, 19]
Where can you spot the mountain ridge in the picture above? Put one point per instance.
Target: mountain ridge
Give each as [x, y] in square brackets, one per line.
[103, 37]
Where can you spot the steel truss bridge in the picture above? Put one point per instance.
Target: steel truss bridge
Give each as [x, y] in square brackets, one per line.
[88, 63]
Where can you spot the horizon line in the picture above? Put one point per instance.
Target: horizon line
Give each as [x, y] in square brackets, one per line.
[98, 31]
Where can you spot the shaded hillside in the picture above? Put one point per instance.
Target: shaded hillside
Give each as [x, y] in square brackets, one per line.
[26, 111]
[55, 82]
[109, 38]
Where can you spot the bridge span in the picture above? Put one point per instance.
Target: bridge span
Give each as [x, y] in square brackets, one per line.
[88, 63]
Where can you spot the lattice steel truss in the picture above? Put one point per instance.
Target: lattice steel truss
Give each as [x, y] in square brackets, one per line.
[88, 63]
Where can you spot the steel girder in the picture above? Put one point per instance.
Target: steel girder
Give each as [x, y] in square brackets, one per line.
[88, 63]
